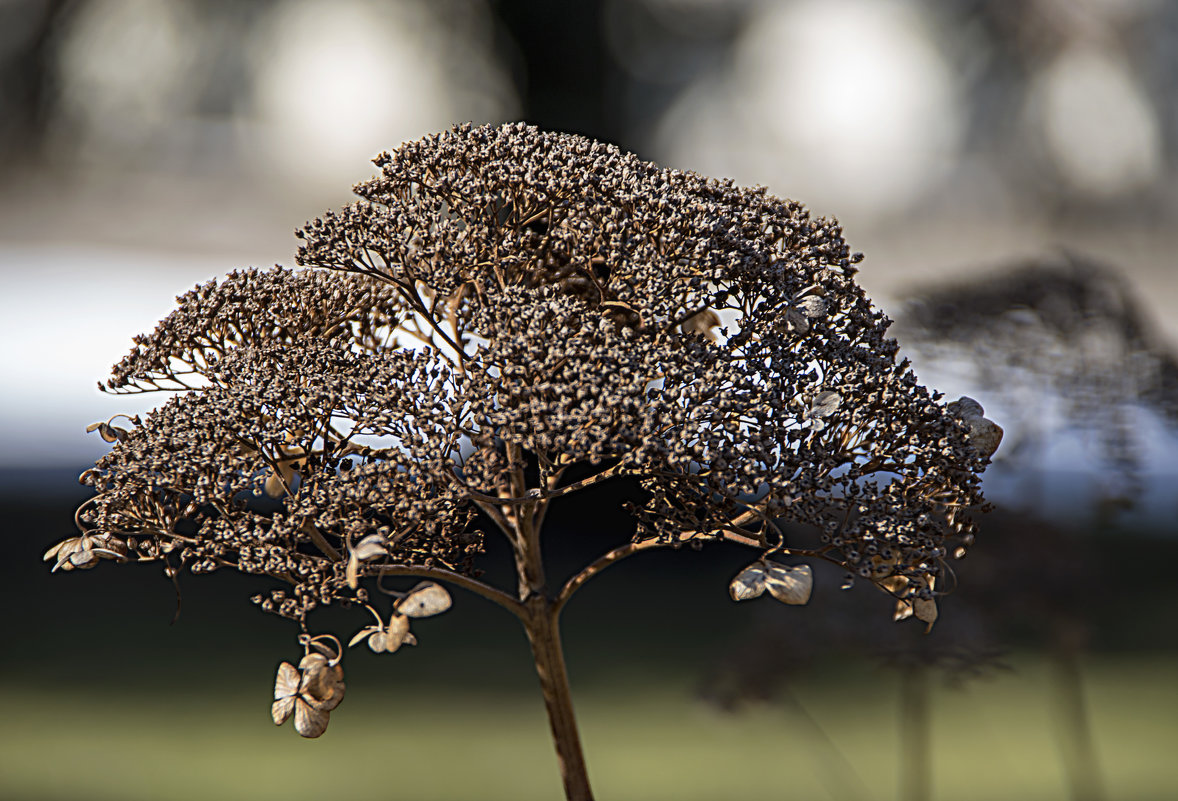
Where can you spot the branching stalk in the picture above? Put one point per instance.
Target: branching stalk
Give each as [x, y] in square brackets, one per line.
[465, 582]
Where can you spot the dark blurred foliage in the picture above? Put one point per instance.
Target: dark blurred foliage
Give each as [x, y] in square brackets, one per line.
[1027, 585]
[1069, 348]
[602, 68]
[27, 40]
[612, 69]
[1064, 332]
[1004, 48]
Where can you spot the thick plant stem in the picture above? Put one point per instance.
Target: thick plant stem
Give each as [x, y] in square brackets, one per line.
[542, 624]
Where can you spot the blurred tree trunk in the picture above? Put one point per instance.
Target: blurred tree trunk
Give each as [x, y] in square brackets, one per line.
[1085, 782]
[915, 739]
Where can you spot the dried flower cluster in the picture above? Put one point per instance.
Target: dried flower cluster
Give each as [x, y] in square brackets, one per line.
[501, 305]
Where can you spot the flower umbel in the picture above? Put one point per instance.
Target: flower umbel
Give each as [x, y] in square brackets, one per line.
[504, 318]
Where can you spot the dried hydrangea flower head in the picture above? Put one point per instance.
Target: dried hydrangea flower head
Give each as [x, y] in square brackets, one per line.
[503, 305]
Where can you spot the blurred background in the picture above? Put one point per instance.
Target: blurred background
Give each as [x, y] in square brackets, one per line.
[1008, 168]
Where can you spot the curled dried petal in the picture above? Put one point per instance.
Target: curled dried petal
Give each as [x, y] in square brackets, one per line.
[789, 584]
[749, 583]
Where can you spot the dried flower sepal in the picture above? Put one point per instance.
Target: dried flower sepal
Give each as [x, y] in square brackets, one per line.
[984, 434]
[425, 600]
[701, 324]
[108, 432]
[83, 552]
[281, 479]
[824, 404]
[370, 547]
[912, 604]
[797, 315]
[385, 639]
[310, 691]
[749, 583]
[790, 584]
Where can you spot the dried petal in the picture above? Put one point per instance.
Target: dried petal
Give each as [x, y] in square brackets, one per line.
[813, 306]
[84, 552]
[274, 487]
[395, 635]
[794, 319]
[701, 324]
[52, 552]
[386, 639]
[309, 720]
[749, 583]
[322, 683]
[965, 407]
[364, 634]
[108, 432]
[280, 710]
[83, 559]
[286, 683]
[352, 571]
[424, 600]
[824, 404]
[286, 688]
[985, 435]
[371, 547]
[925, 610]
[789, 584]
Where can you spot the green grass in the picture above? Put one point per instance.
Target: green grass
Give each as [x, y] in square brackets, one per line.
[645, 740]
